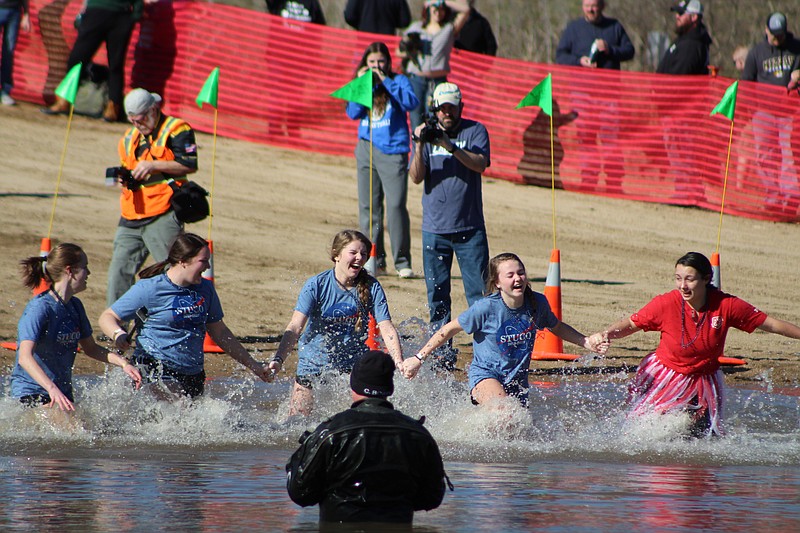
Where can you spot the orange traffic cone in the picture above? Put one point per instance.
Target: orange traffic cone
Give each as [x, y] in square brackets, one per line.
[716, 280]
[548, 346]
[372, 267]
[44, 250]
[209, 346]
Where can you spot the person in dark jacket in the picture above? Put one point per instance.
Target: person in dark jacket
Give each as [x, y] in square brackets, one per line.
[369, 463]
[775, 61]
[302, 10]
[477, 35]
[377, 16]
[688, 54]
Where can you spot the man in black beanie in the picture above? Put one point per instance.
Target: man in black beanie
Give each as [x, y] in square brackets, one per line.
[369, 463]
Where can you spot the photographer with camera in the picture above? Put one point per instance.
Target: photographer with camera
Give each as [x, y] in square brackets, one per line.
[386, 164]
[426, 48]
[450, 154]
[156, 150]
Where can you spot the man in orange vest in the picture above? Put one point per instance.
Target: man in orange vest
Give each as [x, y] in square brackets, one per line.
[154, 151]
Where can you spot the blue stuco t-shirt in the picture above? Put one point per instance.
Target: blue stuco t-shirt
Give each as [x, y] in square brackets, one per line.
[502, 337]
[452, 198]
[175, 328]
[332, 312]
[56, 330]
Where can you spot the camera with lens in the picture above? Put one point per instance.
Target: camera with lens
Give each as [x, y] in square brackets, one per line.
[431, 132]
[123, 175]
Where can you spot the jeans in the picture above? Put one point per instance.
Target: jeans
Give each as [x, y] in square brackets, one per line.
[9, 23]
[471, 248]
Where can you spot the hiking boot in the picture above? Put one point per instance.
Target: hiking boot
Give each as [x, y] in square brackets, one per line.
[111, 112]
[59, 107]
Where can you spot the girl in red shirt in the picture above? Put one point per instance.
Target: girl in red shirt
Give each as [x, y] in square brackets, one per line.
[684, 371]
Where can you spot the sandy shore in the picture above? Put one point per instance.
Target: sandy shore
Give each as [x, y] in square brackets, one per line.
[277, 210]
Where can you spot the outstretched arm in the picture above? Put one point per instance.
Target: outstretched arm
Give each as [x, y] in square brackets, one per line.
[595, 343]
[288, 340]
[781, 327]
[392, 341]
[412, 365]
[99, 353]
[223, 336]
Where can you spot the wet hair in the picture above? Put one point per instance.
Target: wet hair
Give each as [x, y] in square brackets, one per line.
[50, 269]
[380, 95]
[699, 262]
[493, 275]
[184, 248]
[363, 281]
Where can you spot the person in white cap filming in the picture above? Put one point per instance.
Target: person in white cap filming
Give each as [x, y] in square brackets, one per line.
[155, 150]
[450, 154]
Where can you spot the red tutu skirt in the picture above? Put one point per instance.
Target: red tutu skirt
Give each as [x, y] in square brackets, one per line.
[658, 389]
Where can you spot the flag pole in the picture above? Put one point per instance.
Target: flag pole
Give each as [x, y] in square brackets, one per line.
[213, 173]
[724, 186]
[67, 90]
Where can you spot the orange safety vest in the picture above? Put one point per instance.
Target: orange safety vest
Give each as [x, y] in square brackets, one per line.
[152, 198]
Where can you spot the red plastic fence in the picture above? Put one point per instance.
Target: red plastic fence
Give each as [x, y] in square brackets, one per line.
[641, 136]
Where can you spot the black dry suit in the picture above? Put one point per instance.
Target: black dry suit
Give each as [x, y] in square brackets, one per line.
[369, 463]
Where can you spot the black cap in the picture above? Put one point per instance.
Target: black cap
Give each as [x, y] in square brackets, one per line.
[776, 23]
[372, 375]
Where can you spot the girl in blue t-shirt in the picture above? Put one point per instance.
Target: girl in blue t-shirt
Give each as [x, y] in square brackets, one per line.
[180, 307]
[332, 314]
[504, 325]
[52, 327]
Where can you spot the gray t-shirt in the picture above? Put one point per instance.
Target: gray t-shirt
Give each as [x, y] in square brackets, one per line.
[435, 50]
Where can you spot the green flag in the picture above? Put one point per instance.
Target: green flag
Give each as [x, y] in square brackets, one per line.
[540, 96]
[68, 87]
[358, 90]
[208, 94]
[727, 106]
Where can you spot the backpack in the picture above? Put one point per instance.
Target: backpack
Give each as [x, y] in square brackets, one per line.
[189, 201]
[92, 96]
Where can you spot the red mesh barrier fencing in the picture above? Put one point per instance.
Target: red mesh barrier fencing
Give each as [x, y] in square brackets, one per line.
[633, 135]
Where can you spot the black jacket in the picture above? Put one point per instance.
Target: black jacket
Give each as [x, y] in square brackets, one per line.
[377, 16]
[477, 35]
[688, 54]
[370, 463]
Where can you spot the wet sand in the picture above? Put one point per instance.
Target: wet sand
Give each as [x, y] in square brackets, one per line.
[276, 210]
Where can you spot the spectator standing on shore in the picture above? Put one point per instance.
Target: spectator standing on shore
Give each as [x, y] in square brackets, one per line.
[377, 16]
[772, 61]
[596, 41]
[155, 150]
[370, 463]
[302, 10]
[477, 35]
[426, 48]
[109, 21]
[14, 14]
[448, 161]
[688, 54]
[387, 163]
[739, 57]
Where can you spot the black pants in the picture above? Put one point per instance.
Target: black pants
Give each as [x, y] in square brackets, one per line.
[114, 28]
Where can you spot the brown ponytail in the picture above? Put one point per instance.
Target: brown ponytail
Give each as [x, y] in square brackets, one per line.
[50, 269]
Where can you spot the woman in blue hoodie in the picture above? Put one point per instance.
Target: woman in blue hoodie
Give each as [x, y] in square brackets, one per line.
[392, 99]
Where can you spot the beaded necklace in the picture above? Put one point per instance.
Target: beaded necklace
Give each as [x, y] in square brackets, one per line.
[684, 333]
